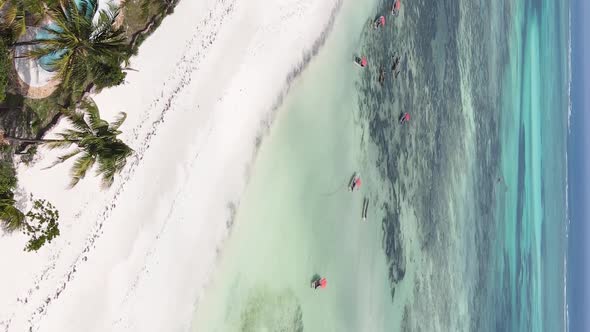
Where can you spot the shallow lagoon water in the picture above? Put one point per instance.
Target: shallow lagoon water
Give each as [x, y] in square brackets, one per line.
[298, 219]
[465, 223]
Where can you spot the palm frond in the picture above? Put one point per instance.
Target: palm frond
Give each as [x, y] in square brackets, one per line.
[11, 217]
[81, 167]
[47, 47]
[13, 17]
[95, 122]
[63, 144]
[72, 135]
[76, 118]
[112, 162]
[64, 66]
[107, 172]
[64, 157]
[10, 13]
[59, 16]
[19, 25]
[121, 117]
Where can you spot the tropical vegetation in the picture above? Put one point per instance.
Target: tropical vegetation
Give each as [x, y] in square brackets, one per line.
[11, 216]
[81, 48]
[89, 50]
[41, 224]
[95, 142]
[16, 12]
[4, 68]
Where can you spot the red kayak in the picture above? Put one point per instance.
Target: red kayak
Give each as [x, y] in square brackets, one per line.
[397, 5]
[355, 182]
[404, 118]
[361, 61]
[319, 283]
[379, 22]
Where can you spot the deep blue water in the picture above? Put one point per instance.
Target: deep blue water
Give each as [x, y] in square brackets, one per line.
[579, 181]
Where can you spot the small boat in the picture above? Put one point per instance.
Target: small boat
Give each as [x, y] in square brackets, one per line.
[355, 182]
[319, 283]
[379, 22]
[405, 117]
[365, 208]
[361, 61]
[396, 7]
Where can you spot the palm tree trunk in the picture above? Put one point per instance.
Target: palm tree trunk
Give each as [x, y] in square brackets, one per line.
[32, 140]
[27, 43]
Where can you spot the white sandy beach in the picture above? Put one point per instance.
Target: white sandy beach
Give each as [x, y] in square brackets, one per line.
[137, 257]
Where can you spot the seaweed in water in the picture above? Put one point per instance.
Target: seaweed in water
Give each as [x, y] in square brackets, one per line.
[267, 310]
[392, 243]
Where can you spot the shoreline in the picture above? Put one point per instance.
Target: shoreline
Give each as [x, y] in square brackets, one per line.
[106, 257]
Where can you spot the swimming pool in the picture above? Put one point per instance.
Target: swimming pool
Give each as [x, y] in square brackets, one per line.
[48, 61]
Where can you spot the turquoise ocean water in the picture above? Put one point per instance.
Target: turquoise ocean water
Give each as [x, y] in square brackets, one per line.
[466, 223]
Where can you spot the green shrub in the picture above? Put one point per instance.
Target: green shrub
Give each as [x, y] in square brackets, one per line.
[107, 75]
[4, 68]
[7, 179]
[41, 224]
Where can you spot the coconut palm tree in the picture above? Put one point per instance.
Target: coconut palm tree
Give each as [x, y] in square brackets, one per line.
[95, 141]
[12, 15]
[11, 217]
[77, 42]
[15, 13]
